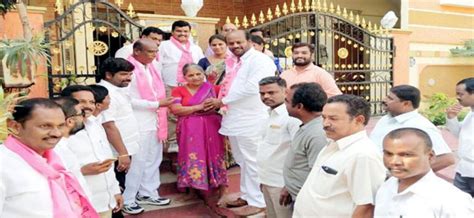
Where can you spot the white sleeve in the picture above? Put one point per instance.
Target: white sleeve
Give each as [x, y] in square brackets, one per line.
[144, 104]
[250, 86]
[453, 126]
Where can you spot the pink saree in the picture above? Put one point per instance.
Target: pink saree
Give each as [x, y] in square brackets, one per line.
[201, 163]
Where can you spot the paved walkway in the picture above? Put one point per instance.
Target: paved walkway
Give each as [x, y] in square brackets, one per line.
[198, 208]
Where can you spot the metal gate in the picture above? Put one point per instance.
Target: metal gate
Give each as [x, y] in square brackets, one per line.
[83, 35]
[358, 54]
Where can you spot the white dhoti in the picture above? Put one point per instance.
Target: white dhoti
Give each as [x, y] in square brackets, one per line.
[143, 176]
[244, 151]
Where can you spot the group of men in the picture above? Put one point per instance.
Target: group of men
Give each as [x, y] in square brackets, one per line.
[300, 143]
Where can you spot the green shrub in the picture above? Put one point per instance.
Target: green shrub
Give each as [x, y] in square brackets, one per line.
[436, 108]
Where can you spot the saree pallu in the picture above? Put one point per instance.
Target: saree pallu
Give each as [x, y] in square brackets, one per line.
[201, 156]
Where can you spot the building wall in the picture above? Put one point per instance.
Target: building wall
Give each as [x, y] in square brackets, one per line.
[435, 29]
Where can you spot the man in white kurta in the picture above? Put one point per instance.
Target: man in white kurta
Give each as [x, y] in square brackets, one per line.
[401, 104]
[464, 179]
[244, 115]
[152, 33]
[347, 173]
[414, 190]
[148, 158]
[171, 53]
[93, 151]
[119, 116]
[74, 124]
[278, 132]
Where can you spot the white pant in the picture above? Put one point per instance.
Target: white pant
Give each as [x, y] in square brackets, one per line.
[144, 174]
[244, 151]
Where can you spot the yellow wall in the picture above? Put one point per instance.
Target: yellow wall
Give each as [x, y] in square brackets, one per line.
[435, 30]
[443, 78]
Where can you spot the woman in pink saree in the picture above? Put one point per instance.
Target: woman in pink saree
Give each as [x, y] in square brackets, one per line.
[201, 163]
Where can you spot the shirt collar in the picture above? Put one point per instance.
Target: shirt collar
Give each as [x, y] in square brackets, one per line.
[247, 54]
[108, 85]
[280, 110]
[348, 140]
[419, 187]
[405, 116]
[309, 67]
[311, 122]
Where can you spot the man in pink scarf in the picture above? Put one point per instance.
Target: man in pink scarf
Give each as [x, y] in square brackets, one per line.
[33, 179]
[149, 103]
[173, 55]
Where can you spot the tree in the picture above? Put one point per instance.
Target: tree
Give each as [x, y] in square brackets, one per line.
[7, 5]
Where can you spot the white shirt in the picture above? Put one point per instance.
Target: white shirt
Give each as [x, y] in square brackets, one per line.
[279, 130]
[465, 133]
[246, 112]
[170, 56]
[125, 51]
[90, 145]
[410, 119]
[430, 196]
[24, 192]
[71, 163]
[144, 111]
[120, 111]
[357, 172]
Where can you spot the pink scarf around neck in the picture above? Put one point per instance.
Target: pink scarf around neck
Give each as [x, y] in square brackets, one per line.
[186, 58]
[154, 93]
[64, 187]
[233, 65]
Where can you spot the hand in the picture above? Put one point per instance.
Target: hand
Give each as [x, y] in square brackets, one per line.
[285, 197]
[453, 111]
[119, 200]
[96, 168]
[212, 103]
[165, 102]
[123, 163]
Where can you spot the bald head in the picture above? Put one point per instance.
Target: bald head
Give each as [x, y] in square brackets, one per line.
[227, 28]
[238, 42]
[144, 50]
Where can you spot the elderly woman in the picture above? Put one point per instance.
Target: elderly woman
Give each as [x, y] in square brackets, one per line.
[201, 164]
[214, 65]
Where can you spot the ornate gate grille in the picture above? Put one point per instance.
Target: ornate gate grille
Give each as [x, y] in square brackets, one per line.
[87, 33]
[358, 54]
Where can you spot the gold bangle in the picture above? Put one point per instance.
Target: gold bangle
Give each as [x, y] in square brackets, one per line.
[123, 155]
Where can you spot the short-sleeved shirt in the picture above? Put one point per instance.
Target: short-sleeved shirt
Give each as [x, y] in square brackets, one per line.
[312, 73]
[430, 196]
[347, 173]
[307, 143]
[410, 119]
[278, 132]
[120, 111]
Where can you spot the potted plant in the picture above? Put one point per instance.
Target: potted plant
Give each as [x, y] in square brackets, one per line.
[436, 106]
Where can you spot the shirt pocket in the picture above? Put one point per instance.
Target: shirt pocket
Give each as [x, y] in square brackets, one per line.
[325, 182]
[274, 134]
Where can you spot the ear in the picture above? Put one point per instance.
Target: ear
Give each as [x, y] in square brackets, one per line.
[14, 127]
[360, 119]
[69, 121]
[108, 76]
[431, 155]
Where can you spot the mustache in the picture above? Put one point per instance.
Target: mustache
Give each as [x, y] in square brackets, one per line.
[326, 128]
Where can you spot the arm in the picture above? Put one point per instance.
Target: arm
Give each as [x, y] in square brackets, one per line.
[442, 161]
[114, 137]
[180, 110]
[452, 122]
[314, 145]
[328, 83]
[152, 105]
[363, 211]
[250, 86]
